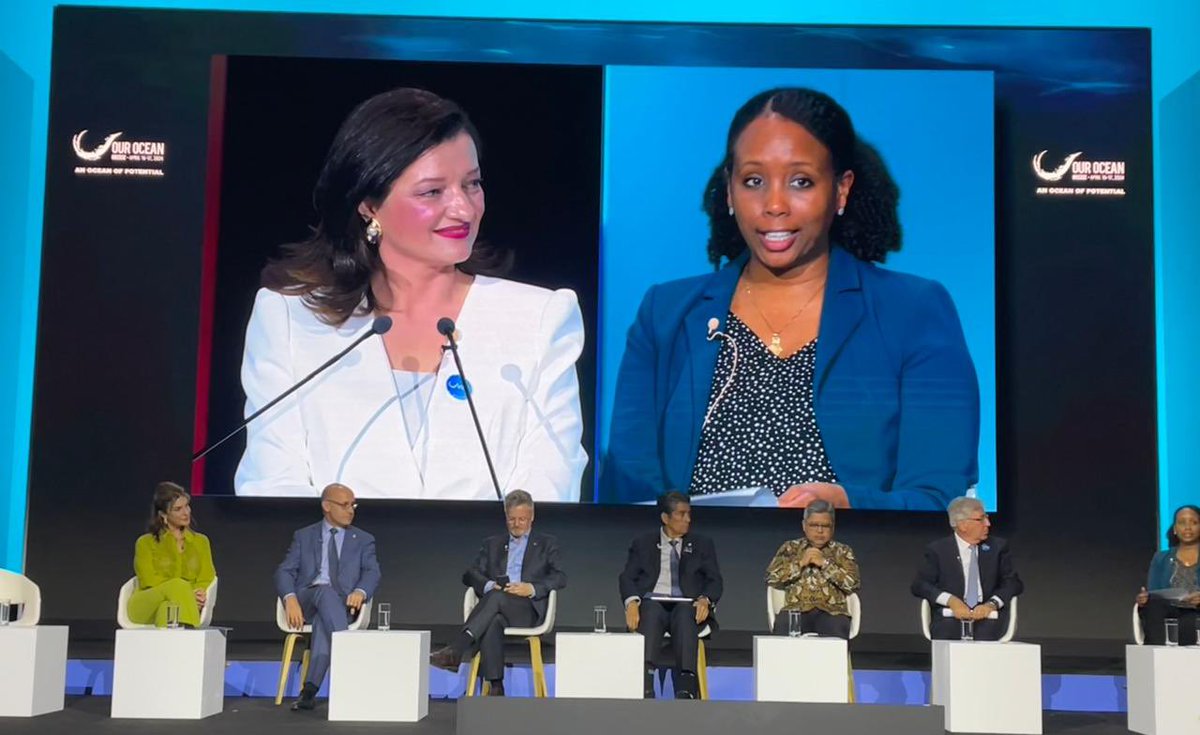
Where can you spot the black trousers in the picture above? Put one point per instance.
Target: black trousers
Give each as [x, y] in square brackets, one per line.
[486, 623]
[816, 621]
[942, 628]
[1155, 612]
[678, 618]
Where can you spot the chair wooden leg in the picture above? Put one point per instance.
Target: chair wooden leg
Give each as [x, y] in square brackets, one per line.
[539, 669]
[304, 665]
[285, 665]
[702, 670]
[850, 684]
[473, 676]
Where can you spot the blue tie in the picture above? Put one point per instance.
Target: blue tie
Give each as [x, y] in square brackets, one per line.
[333, 558]
[972, 596]
[675, 591]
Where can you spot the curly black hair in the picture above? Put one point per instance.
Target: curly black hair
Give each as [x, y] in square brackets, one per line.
[870, 227]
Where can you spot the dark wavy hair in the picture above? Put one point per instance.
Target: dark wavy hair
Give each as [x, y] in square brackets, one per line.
[165, 495]
[381, 138]
[1172, 539]
[870, 227]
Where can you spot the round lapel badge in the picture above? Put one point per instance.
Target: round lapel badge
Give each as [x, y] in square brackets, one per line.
[456, 388]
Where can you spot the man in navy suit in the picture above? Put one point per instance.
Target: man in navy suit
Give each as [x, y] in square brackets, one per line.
[672, 563]
[513, 576]
[329, 572]
[967, 576]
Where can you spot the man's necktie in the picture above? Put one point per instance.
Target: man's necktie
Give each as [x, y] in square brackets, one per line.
[333, 558]
[972, 596]
[675, 591]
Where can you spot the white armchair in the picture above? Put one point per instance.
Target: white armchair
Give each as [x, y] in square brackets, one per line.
[131, 586]
[1009, 632]
[18, 588]
[532, 635]
[776, 599]
[362, 620]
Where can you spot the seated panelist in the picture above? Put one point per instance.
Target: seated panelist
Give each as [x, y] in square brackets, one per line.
[329, 572]
[969, 575]
[670, 583]
[513, 576]
[173, 563]
[1174, 581]
[818, 574]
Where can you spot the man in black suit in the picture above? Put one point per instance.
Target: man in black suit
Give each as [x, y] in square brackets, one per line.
[672, 563]
[967, 576]
[513, 576]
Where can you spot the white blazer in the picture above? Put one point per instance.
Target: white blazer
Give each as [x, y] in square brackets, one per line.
[518, 344]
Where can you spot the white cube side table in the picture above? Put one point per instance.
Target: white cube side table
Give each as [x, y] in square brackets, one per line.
[988, 686]
[1162, 689]
[169, 674]
[599, 665]
[801, 669]
[379, 676]
[35, 670]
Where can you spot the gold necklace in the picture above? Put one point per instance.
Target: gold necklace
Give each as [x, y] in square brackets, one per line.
[776, 346]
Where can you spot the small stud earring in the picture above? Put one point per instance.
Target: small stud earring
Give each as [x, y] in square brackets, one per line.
[841, 211]
[373, 232]
[731, 211]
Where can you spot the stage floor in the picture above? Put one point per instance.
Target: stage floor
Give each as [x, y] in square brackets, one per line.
[262, 717]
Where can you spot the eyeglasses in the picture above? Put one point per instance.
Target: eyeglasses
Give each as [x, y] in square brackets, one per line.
[348, 505]
[819, 526]
[980, 519]
[519, 521]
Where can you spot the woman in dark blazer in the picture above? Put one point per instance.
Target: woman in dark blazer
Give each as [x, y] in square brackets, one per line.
[800, 366]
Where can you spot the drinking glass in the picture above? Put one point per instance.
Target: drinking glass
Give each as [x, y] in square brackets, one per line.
[968, 630]
[794, 629]
[172, 615]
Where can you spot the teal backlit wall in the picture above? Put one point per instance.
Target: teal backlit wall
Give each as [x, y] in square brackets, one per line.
[25, 31]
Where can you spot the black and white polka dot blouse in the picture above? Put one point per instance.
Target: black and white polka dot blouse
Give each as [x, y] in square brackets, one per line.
[763, 432]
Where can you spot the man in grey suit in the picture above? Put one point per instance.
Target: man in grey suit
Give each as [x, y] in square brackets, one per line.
[329, 572]
[513, 576]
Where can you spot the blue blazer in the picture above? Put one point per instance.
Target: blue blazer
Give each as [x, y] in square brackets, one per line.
[895, 392]
[358, 569]
[1162, 569]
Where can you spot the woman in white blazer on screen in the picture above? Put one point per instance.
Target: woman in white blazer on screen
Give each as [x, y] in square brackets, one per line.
[400, 200]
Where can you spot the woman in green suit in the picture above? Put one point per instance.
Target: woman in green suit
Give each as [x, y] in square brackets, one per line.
[173, 563]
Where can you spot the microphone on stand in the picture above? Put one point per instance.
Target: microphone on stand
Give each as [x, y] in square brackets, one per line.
[445, 327]
[380, 326]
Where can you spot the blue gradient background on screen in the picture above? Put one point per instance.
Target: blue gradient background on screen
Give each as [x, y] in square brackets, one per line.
[664, 132]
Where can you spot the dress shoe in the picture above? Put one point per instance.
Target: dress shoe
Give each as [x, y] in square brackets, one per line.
[648, 685]
[445, 658]
[307, 700]
[496, 688]
[686, 686]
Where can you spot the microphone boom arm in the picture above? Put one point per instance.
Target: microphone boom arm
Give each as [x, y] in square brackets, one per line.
[453, 347]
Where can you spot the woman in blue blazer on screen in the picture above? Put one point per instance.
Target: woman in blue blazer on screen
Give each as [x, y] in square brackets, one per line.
[800, 367]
